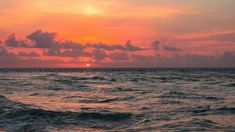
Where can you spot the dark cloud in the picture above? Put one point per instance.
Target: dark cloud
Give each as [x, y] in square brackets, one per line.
[122, 55]
[52, 52]
[46, 40]
[224, 60]
[119, 56]
[156, 45]
[66, 52]
[43, 39]
[17, 62]
[31, 54]
[106, 46]
[130, 47]
[72, 45]
[173, 49]
[143, 57]
[191, 60]
[228, 58]
[3, 52]
[11, 60]
[98, 55]
[11, 41]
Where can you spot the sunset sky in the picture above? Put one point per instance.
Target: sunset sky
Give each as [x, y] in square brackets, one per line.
[117, 33]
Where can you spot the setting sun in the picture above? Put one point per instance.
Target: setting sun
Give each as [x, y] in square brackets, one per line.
[73, 33]
[117, 65]
[88, 65]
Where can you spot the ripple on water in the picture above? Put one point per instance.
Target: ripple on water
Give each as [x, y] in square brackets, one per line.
[197, 125]
[118, 100]
[19, 117]
[184, 95]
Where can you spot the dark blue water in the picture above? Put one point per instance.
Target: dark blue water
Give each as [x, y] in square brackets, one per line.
[117, 100]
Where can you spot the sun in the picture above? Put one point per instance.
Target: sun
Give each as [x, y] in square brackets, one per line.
[90, 10]
[88, 65]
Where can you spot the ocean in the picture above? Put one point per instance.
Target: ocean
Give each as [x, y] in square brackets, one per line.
[164, 99]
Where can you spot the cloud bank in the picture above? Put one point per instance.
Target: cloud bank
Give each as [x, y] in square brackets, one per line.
[41, 49]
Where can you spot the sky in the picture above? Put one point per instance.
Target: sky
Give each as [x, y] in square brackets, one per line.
[117, 33]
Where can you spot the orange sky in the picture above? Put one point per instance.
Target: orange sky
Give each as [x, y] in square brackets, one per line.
[183, 27]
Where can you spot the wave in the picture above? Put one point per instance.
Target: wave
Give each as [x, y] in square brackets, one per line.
[197, 125]
[63, 79]
[34, 113]
[15, 114]
[106, 100]
[207, 110]
[182, 95]
[231, 85]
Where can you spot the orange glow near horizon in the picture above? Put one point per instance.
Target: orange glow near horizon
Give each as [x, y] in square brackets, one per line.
[182, 27]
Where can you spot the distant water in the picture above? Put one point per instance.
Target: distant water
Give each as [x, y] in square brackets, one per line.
[117, 100]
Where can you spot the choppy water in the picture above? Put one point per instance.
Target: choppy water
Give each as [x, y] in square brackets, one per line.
[117, 100]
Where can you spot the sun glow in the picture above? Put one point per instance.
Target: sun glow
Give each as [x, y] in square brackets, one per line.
[88, 65]
[90, 10]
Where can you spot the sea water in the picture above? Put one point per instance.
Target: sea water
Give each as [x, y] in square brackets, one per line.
[174, 99]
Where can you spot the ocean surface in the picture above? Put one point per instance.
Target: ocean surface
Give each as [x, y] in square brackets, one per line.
[117, 100]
